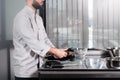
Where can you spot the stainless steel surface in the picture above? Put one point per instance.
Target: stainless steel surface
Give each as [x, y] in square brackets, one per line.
[89, 62]
[89, 66]
[85, 59]
[90, 51]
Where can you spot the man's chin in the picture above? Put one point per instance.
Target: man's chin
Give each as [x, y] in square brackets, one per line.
[41, 4]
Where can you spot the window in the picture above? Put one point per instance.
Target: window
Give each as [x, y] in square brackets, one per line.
[66, 22]
[83, 23]
[106, 21]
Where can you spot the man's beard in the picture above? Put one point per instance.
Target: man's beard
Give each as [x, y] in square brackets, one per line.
[36, 5]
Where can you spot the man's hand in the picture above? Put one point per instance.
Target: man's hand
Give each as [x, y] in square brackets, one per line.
[58, 53]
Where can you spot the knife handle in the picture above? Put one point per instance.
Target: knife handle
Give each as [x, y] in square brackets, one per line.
[69, 50]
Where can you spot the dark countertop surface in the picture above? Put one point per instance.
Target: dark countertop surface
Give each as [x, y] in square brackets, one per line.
[79, 73]
[88, 67]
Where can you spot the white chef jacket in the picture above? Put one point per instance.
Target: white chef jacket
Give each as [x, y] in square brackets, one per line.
[30, 40]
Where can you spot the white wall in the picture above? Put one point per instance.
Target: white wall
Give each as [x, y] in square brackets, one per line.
[11, 62]
[0, 20]
[11, 9]
[3, 65]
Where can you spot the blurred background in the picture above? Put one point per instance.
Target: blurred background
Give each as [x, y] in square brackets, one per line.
[8, 10]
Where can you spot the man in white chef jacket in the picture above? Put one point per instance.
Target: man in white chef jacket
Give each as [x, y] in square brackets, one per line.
[30, 40]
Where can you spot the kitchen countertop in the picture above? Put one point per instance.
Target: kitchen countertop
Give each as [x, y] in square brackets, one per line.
[79, 68]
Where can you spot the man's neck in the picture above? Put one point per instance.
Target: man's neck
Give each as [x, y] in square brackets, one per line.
[34, 10]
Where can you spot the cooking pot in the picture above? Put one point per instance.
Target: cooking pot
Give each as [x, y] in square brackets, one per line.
[113, 62]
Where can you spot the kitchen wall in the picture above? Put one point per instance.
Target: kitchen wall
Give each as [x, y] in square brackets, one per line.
[0, 20]
[8, 10]
[11, 64]
[3, 65]
[11, 9]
